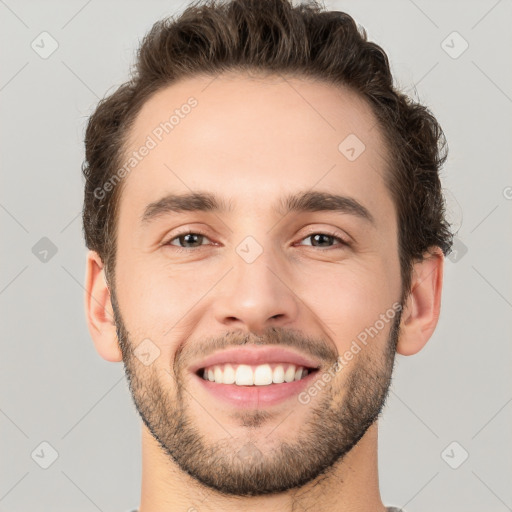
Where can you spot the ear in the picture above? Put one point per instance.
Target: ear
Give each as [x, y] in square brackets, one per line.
[421, 311]
[98, 310]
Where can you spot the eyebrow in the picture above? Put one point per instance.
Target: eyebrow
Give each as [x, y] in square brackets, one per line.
[309, 201]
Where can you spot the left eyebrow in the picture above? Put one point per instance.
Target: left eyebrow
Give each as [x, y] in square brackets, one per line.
[316, 201]
[308, 201]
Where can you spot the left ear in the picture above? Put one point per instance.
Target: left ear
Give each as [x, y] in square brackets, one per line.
[421, 311]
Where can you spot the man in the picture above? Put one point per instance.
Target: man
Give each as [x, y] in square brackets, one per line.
[266, 230]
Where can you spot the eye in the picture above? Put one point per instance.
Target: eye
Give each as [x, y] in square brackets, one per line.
[190, 240]
[321, 239]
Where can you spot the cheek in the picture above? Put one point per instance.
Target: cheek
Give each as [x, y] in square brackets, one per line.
[155, 300]
[351, 298]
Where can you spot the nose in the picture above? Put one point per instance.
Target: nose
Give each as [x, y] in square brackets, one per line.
[256, 296]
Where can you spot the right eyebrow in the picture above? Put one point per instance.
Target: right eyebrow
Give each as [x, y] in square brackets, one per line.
[179, 203]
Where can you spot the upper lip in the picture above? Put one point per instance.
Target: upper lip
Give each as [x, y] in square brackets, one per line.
[255, 356]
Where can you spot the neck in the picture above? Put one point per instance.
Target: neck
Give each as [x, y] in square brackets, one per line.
[351, 485]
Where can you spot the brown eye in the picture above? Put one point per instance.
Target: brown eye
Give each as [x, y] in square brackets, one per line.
[322, 240]
[189, 240]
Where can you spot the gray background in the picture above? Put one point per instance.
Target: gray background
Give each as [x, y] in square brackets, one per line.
[56, 389]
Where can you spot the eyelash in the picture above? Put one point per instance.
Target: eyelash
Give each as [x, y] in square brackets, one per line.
[334, 235]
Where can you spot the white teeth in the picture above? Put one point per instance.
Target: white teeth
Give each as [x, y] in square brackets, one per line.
[229, 375]
[278, 376]
[244, 375]
[289, 375]
[217, 373]
[261, 375]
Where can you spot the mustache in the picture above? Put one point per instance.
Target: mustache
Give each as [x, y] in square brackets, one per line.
[317, 348]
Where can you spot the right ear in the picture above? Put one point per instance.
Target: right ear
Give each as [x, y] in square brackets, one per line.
[98, 310]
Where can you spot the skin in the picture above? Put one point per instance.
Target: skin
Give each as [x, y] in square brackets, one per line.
[251, 138]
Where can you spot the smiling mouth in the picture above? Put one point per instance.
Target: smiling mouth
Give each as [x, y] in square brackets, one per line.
[254, 375]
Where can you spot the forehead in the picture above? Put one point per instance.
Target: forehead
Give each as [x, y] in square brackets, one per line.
[248, 138]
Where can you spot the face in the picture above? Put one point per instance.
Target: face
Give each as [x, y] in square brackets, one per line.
[289, 287]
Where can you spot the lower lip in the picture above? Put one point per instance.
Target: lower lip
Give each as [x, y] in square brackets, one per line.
[256, 396]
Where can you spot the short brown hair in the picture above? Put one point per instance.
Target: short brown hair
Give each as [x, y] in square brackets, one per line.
[273, 37]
